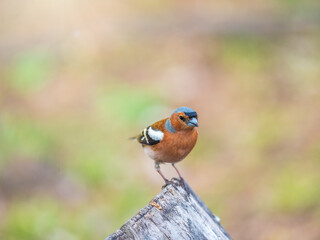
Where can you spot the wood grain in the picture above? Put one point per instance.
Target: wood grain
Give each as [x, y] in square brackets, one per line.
[175, 213]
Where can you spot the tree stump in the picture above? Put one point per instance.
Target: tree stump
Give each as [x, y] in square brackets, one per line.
[175, 213]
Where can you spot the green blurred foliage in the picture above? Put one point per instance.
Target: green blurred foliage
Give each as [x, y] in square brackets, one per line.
[125, 103]
[32, 139]
[250, 54]
[32, 220]
[296, 190]
[30, 70]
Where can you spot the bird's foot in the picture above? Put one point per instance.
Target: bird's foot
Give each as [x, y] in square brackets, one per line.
[180, 180]
[167, 182]
[176, 179]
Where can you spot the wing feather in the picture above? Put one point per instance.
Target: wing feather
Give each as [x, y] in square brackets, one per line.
[150, 136]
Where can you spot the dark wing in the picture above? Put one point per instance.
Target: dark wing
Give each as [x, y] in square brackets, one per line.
[150, 136]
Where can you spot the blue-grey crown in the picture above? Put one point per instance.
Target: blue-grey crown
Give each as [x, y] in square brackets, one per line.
[188, 111]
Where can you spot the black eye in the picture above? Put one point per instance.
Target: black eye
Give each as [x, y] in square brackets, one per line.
[182, 118]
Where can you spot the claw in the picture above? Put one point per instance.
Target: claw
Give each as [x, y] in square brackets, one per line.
[167, 183]
[183, 184]
[179, 180]
[176, 179]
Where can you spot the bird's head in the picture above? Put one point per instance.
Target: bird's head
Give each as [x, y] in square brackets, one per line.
[184, 118]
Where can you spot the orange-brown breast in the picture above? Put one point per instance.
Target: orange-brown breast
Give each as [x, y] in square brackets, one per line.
[174, 147]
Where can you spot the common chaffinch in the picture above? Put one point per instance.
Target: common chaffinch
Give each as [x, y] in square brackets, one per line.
[171, 139]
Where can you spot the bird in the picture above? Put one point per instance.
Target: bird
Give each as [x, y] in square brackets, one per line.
[171, 139]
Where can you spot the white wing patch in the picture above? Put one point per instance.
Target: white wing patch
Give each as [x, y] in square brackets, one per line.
[150, 136]
[156, 135]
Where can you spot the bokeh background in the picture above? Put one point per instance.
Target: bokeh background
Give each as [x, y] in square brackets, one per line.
[77, 78]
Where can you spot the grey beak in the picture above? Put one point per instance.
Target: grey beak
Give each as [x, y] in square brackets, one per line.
[193, 122]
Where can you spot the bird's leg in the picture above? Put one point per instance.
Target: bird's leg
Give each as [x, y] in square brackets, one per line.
[181, 178]
[157, 167]
[177, 171]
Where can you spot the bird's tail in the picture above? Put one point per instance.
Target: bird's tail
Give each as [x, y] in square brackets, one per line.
[133, 138]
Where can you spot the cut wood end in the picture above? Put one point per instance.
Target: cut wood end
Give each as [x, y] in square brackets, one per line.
[175, 213]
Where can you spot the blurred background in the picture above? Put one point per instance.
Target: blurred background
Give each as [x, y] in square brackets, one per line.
[77, 78]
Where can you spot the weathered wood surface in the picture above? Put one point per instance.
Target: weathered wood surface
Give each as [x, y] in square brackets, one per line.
[175, 213]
